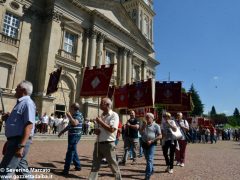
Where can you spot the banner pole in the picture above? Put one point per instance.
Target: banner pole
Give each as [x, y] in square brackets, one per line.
[63, 96]
[3, 109]
[98, 127]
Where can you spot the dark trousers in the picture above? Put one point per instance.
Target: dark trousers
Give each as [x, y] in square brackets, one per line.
[169, 157]
[72, 155]
[180, 154]
[12, 162]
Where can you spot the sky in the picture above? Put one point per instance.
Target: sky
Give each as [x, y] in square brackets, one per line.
[198, 42]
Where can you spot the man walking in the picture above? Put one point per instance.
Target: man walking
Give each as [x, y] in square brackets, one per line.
[131, 138]
[107, 125]
[74, 129]
[19, 129]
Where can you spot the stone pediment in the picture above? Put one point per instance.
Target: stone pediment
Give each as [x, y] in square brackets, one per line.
[116, 13]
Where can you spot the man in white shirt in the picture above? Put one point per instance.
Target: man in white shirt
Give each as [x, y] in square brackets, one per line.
[106, 131]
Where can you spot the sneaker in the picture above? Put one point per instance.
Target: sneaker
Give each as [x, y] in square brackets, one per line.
[170, 171]
[65, 173]
[78, 168]
[178, 163]
[167, 169]
[182, 164]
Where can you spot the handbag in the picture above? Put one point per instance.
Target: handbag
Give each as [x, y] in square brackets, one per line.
[177, 134]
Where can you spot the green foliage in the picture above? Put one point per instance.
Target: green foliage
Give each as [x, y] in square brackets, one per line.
[220, 119]
[236, 113]
[227, 126]
[198, 106]
[213, 112]
[234, 121]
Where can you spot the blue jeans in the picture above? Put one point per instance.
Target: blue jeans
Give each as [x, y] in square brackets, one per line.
[149, 156]
[12, 162]
[72, 155]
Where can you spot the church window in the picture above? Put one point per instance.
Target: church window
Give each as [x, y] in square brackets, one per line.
[109, 57]
[11, 25]
[70, 42]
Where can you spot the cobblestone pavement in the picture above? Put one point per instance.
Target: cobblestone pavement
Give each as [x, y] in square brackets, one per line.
[219, 161]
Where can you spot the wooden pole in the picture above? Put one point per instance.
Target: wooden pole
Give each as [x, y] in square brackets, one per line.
[3, 109]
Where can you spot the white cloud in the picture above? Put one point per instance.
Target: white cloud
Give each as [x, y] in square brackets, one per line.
[215, 77]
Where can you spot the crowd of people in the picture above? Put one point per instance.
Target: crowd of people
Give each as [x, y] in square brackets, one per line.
[139, 136]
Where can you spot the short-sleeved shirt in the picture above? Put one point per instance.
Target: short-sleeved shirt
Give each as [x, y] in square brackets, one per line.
[183, 123]
[166, 130]
[130, 132]
[112, 119]
[151, 132]
[22, 114]
[76, 129]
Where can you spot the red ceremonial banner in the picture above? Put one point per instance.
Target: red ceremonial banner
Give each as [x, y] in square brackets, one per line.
[168, 93]
[200, 121]
[140, 94]
[121, 97]
[53, 81]
[186, 105]
[96, 81]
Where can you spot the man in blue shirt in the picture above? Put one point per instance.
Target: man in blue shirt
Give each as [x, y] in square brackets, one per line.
[19, 129]
[74, 129]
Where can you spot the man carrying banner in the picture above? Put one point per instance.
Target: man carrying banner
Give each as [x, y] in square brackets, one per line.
[19, 129]
[74, 129]
[105, 147]
[131, 138]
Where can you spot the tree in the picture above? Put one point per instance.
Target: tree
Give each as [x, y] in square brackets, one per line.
[198, 106]
[236, 113]
[213, 112]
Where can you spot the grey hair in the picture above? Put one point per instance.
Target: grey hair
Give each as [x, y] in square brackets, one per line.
[27, 86]
[180, 114]
[150, 115]
[76, 106]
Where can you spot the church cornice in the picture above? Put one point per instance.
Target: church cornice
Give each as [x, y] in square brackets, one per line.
[95, 13]
[147, 8]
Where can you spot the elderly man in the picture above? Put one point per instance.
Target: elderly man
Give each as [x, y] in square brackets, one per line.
[106, 130]
[131, 138]
[74, 129]
[19, 130]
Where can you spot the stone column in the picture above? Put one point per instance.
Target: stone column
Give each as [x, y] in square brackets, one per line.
[143, 71]
[119, 66]
[85, 48]
[79, 48]
[124, 66]
[92, 49]
[100, 40]
[115, 69]
[129, 67]
[10, 77]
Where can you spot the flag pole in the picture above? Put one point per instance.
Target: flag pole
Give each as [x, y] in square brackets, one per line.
[98, 127]
[63, 96]
[3, 109]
